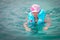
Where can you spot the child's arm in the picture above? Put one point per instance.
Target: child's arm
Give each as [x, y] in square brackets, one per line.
[25, 26]
[48, 22]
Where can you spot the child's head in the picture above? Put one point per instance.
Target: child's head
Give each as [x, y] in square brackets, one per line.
[35, 8]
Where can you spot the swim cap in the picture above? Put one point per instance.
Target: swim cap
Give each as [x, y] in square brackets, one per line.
[35, 8]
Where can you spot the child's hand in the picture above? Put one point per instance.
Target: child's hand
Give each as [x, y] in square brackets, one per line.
[45, 28]
[28, 29]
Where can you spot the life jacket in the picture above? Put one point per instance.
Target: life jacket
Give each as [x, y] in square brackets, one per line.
[41, 17]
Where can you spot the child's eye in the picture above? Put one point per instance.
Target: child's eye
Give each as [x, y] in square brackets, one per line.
[30, 20]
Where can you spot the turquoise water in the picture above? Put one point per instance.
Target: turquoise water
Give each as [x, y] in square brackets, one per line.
[14, 12]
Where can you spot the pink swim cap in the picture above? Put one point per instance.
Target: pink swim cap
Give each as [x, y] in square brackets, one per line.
[35, 8]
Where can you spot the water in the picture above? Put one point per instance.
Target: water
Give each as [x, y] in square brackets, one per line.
[13, 13]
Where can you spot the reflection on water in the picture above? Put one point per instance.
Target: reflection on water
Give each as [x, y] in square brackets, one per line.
[13, 13]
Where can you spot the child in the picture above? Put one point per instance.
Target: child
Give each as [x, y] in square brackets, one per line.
[36, 16]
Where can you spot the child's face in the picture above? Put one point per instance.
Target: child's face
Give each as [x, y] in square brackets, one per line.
[35, 14]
